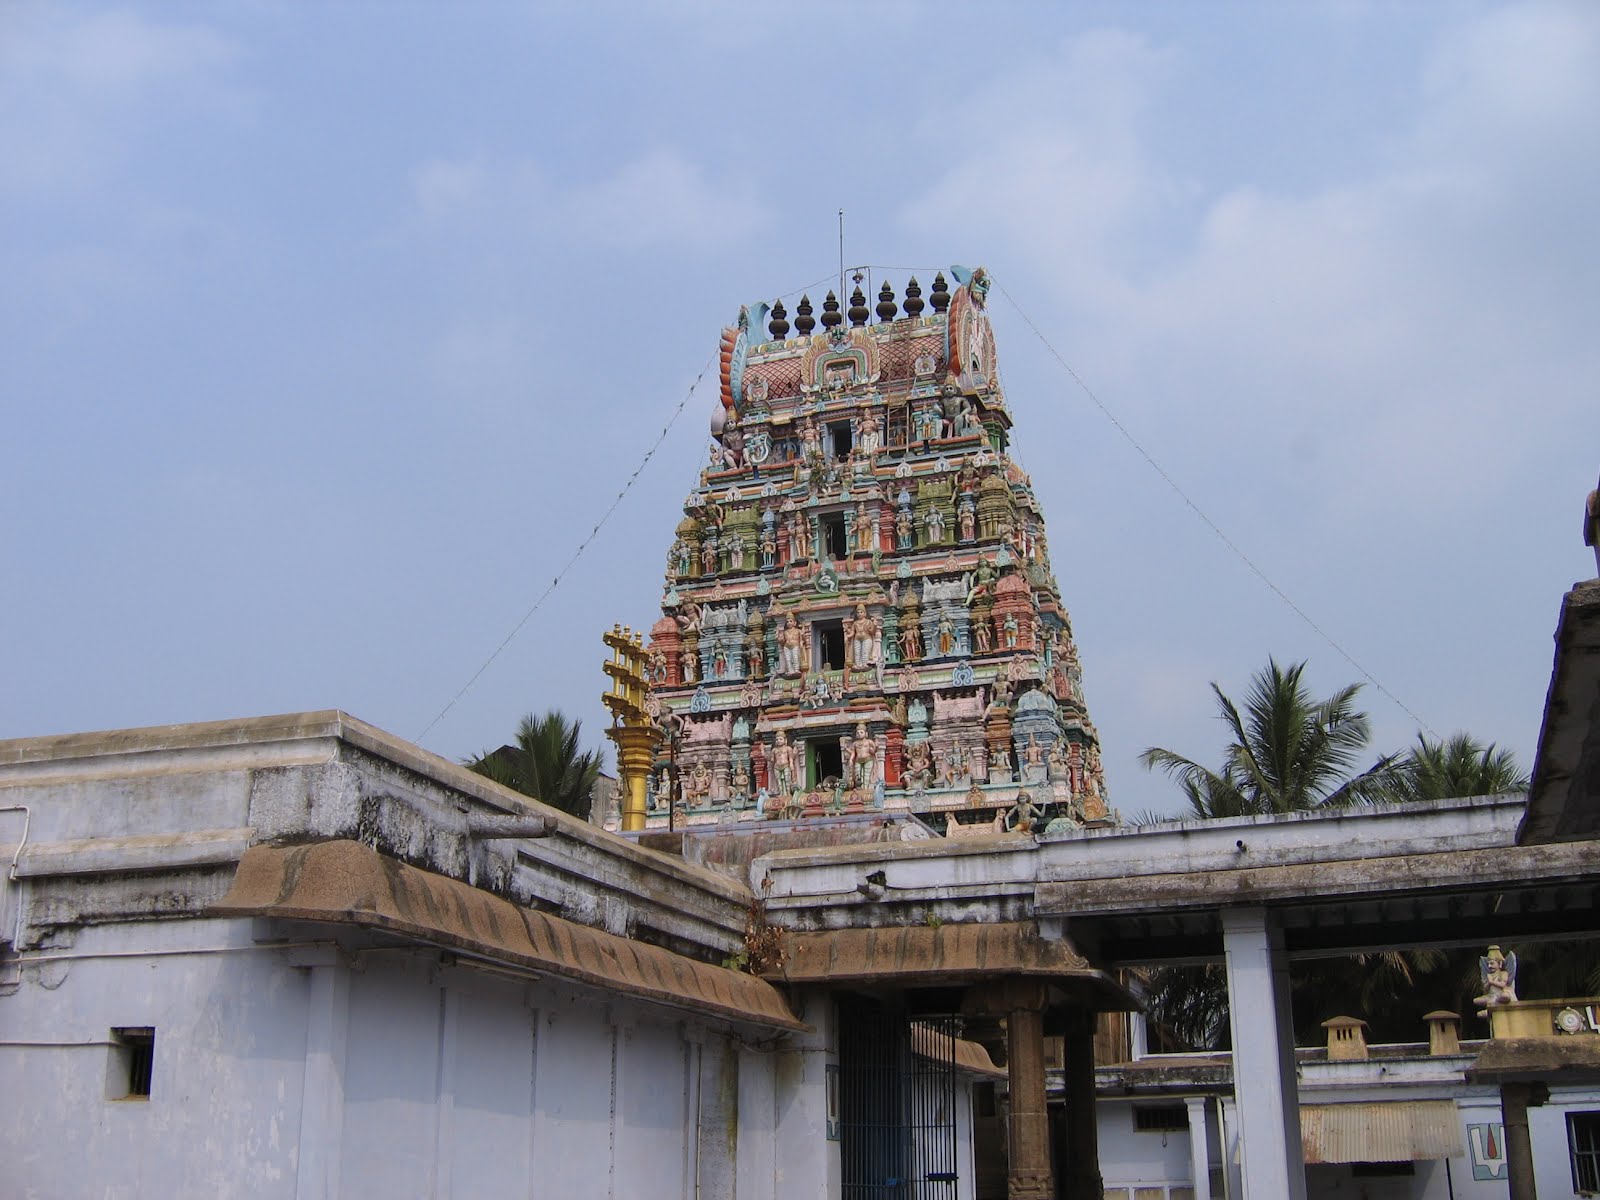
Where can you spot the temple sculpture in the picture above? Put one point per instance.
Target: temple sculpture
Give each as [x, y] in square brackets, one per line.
[859, 611]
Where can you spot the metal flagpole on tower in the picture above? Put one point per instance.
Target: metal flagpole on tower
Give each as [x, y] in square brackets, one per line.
[840, 292]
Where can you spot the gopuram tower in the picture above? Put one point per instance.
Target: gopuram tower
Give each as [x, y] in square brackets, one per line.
[860, 615]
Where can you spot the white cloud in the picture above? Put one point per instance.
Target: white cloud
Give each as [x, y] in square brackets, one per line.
[75, 86]
[443, 187]
[1425, 298]
[660, 199]
[110, 52]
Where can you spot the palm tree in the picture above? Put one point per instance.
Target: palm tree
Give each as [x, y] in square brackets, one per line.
[545, 763]
[1458, 766]
[1289, 752]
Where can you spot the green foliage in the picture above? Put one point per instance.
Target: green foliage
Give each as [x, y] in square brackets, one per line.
[1458, 766]
[1290, 752]
[545, 762]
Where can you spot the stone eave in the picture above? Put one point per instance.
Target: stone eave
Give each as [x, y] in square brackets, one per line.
[962, 955]
[1554, 1059]
[346, 883]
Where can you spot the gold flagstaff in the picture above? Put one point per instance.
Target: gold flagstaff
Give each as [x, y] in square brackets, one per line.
[631, 729]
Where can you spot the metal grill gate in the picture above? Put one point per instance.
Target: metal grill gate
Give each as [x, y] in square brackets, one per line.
[897, 1104]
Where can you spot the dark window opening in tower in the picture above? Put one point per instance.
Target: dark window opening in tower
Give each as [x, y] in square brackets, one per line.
[839, 431]
[827, 760]
[829, 647]
[833, 540]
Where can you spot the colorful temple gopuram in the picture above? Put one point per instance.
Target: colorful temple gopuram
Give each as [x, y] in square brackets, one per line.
[860, 615]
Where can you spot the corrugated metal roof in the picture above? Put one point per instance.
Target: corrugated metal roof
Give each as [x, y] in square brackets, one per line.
[1402, 1131]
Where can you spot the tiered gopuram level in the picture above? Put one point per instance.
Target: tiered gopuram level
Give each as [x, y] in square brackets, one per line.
[860, 614]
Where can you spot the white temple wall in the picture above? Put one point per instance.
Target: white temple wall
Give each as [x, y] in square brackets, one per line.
[307, 1072]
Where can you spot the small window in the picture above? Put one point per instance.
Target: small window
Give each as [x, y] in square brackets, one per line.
[833, 540]
[1583, 1143]
[1381, 1170]
[1160, 1118]
[830, 645]
[133, 1057]
[827, 761]
[839, 432]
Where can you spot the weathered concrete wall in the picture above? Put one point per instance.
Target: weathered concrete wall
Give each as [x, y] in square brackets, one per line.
[991, 878]
[318, 1061]
[136, 803]
[450, 1081]
[1130, 1159]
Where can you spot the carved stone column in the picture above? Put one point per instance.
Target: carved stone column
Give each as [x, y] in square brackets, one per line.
[1029, 1176]
[1022, 1003]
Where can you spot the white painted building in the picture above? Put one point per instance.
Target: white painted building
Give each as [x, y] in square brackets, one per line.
[1403, 1124]
[295, 957]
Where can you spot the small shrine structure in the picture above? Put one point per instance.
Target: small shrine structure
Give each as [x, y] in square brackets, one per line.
[860, 614]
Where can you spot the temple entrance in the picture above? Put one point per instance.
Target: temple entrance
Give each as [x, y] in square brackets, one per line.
[897, 1104]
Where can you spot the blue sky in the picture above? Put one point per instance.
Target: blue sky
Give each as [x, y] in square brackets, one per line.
[331, 331]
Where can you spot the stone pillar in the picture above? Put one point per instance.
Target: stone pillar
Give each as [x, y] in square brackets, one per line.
[1265, 1087]
[1021, 1001]
[1081, 1171]
[1515, 1100]
[1199, 1147]
[1029, 1144]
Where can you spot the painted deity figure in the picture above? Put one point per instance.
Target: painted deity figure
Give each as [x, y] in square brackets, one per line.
[1059, 765]
[756, 656]
[719, 663]
[868, 430]
[791, 642]
[980, 631]
[865, 529]
[864, 756]
[689, 620]
[1011, 631]
[902, 530]
[708, 558]
[782, 759]
[736, 551]
[947, 634]
[1023, 814]
[1498, 973]
[910, 642]
[969, 524]
[918, 771]
[934, 524]
[697, 787]
[732, 448]
[690, 661]
[859, 631]
[1034, 754]
[875, 642]
[810, 444]
[769, 549]
[741, 782]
